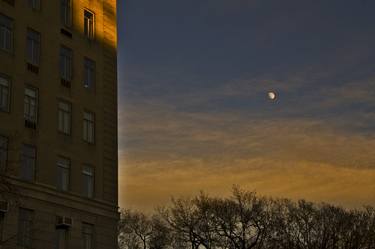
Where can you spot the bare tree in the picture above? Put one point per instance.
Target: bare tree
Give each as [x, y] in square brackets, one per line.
[183, 219]
[241, 220]
[134, 229]
[161, 236]
[246, 221]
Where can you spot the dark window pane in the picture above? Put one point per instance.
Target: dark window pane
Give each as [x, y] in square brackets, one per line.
[28, 162]
[25, 226]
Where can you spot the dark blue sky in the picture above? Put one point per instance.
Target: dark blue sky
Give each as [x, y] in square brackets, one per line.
[193, 80]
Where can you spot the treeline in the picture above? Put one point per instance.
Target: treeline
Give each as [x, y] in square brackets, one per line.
[245, 220]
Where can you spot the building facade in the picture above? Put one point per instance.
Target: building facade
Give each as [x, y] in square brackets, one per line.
[58, 124]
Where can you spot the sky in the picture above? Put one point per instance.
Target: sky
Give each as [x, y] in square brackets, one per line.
[193, 108]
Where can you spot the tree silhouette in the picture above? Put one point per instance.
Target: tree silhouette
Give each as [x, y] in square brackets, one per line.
[244, 221]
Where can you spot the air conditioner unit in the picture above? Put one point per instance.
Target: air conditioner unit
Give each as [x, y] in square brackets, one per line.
[4, 206]
[64, 222]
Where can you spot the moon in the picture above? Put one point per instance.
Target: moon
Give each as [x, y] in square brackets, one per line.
[272, 95]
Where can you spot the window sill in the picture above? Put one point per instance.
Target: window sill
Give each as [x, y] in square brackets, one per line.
[64, 134]
[66, 83]
[90, 89]
[89, 143]
[5, 110]
[30, 124]
[27, 180]
[63, 191]
[8, 52]
[10, 2]
[66, 33]
[32, 68]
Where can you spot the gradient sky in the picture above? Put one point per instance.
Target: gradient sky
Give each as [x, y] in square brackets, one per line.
[193, 107]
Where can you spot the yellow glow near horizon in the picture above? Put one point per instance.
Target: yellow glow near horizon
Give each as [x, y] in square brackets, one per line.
[295, 158]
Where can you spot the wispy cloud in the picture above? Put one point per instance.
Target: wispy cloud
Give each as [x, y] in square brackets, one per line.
[194, 113]
[147, 184]
[165, 149]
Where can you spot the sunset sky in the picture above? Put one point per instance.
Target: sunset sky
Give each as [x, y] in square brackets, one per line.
[193, 108]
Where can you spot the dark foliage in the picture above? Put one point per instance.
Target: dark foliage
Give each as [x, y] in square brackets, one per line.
[246, 221]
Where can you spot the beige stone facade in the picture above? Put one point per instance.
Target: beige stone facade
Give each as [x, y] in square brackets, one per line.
[33, 36]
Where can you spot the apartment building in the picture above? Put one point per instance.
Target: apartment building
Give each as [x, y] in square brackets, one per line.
[58, 124]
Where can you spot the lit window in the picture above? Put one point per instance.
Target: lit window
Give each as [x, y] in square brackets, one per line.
[65, 117]
[28, 163]
[63, 173]
[4, 94]
[89, 24]
[66, 12]
[25, 228]
[88, 127]
[6, 33]
[88, 181]
[3, 153]
[33, 47]
[89, 73]
[34, 4]
[31, 105]
[66, 60]
[88, 236]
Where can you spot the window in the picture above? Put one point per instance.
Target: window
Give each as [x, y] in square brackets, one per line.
[6, 33]
[65, 117]
[89, 73]
[88, 24]
[34, 4]
[33, 47]
[10, 2]
[88, 127]
[63, 169]
[88, 181]
[31, 105]
[66, 60]
[62, 238]
[3, 153]
[88, 236]
[66, 12]
[28, 162]
[4, 94]
[2, 215]
[25, 226]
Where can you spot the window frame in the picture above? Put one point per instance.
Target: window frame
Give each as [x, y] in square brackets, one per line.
[10, 2]
[86, 123]
[4, 151]
[61, 167]
[34, 4]
[85, 227]
[66, 13]
[64, 112]
[87, 28]
[21, 238]
[67, 73]
[21, 176]
[65, 233]
[10, 29]
[89, 68]
[27, 115]
[35, 60]
[8, 80]
[89, 172]
[2, 221]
